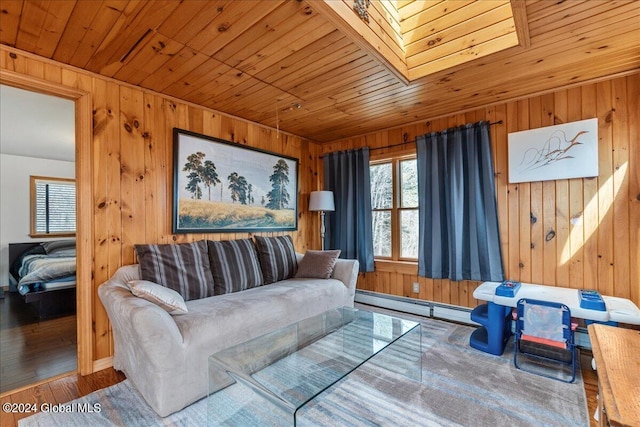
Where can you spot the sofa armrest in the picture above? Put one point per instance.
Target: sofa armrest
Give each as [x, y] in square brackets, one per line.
[346, 270]
[138, 326]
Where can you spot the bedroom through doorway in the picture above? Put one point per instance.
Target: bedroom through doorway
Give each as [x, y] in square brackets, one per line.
[38, 323]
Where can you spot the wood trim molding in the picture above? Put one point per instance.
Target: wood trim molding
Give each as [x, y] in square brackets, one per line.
[104, 363]
[395, 152]
[519, 9]
[23, 81]
[84, 180]
[84, 231]
[33, 233]
[403, 267]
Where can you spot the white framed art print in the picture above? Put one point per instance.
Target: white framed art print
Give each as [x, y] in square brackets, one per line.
[555, 152]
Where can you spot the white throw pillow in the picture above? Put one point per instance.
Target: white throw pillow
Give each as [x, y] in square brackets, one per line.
[166, 298]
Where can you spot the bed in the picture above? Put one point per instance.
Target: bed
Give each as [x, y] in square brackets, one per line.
[44, 273]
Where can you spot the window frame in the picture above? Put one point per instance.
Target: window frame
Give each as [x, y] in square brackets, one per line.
[396, 208]
[33, 232]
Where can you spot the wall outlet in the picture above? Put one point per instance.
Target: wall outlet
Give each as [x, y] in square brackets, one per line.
[416, 287]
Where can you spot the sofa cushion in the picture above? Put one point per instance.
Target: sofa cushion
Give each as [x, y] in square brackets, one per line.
[317, 264]
[234, 265]
[277, 258]
[168, 299]
[183, 267]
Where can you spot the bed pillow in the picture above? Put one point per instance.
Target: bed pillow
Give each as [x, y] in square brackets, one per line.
[317, 264]
[56, 246]
[234, 265]
[17, 263]
[168, 299]
[183, 267]
[277, 258]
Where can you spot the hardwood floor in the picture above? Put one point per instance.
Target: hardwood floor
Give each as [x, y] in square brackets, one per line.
[590, 378]
[70, 387]
[60, 390]
[32, 350]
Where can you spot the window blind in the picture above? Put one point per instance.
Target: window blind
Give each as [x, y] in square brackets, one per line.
[55, 207]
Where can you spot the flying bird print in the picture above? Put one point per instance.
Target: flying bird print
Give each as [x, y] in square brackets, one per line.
[558, 147]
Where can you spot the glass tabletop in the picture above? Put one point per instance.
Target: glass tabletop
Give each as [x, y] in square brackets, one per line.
[276, 374]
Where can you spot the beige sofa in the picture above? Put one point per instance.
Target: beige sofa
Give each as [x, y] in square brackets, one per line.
[165, 356]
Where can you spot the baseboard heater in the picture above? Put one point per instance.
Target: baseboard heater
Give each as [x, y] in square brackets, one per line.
[436, 310]
[424, 308]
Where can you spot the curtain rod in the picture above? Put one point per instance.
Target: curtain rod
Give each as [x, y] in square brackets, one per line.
[499, 122]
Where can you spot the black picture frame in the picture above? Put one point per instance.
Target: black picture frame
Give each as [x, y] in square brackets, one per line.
[224, 187]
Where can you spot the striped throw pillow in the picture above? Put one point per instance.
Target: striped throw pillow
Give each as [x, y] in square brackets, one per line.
[234, 265]
[183, 267]
[277, 258]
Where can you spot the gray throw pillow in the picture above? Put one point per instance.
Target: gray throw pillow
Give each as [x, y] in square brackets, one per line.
[183, 267]
[234, 265]
[277, 258]
[317, 264]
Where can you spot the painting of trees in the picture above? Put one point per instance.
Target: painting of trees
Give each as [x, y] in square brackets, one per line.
[256, 190]
[239, 187]
[210, 176]
[200, 173]
[194, 179]
[279, 196]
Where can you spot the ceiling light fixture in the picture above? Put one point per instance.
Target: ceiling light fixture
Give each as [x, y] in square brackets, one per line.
[293, 106]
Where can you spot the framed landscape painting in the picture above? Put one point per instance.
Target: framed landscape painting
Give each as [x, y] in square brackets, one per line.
[221, 186]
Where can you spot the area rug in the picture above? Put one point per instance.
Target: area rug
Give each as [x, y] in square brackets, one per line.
[460, 386]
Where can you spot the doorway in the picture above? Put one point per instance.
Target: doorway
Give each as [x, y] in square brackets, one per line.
[38, 337]
[83, 172]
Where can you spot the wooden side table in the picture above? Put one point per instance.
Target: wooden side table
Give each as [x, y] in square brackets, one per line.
[617, 355]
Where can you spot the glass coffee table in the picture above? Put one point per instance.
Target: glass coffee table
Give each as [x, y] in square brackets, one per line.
[267, 380]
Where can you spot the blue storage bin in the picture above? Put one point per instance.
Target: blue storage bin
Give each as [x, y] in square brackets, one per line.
[591, 300]
[508, 288]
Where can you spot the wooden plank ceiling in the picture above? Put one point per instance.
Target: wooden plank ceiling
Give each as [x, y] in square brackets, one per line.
[309, 70]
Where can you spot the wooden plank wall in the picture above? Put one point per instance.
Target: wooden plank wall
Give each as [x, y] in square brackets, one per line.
[579, 233]
[132, 169]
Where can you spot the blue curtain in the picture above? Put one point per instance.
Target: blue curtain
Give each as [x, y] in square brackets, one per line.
[349, 228]
[459, 237]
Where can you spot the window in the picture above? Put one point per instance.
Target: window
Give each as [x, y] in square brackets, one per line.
[53, 207]
[394, 202]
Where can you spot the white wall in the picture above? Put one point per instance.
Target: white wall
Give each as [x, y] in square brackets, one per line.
[14, 199]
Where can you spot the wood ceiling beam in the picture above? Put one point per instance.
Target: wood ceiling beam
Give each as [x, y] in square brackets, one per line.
[355, 29]
[519, 9]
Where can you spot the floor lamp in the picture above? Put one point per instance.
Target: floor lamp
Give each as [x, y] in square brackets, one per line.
[321, 201]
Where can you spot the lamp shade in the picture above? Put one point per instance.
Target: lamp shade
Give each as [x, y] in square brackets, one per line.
[321, 201]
